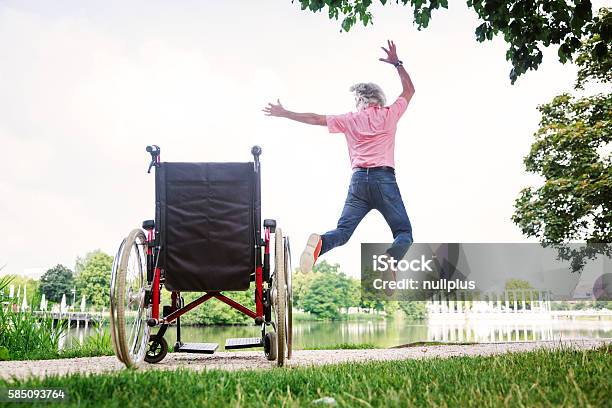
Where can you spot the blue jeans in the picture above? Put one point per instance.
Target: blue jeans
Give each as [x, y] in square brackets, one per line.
[374, 189]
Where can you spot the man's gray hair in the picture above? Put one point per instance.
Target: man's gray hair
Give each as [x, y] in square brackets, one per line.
[368, 93]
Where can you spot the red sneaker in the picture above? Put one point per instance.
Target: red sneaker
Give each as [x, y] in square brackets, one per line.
[311, 253]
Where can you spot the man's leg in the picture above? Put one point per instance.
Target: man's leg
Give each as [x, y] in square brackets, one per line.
[355, 208]
[391, 206]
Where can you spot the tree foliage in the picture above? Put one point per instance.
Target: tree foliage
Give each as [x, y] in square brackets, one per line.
[302, 282]
[526, 25]
[215, 312]
[56, 282]
[575, 202]
[32, 286]
[517, 284]
[327, 294]
[327, 290]
[94, 279]
[572, 153]
[82, 261]
[594, 56]
[415, 310]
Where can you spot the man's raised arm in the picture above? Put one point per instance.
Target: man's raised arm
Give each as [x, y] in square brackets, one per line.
[392, 58]
[309, 118]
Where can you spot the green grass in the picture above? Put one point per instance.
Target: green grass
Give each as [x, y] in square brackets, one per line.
[41, 347]
[96, 344]
[24, 335]
[534, 379]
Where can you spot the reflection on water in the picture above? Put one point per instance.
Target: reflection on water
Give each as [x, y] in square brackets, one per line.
[489, 332]
[389, 333]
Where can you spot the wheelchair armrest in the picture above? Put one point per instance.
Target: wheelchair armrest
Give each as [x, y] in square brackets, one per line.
[148, 225]
[270, 224]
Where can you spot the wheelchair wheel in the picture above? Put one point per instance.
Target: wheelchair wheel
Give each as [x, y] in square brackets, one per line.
[280, 298]
[270, 346]
[128, 310]
[157, 349]
[289, 318]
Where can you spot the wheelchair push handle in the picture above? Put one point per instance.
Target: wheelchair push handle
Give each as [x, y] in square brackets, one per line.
[256, 152]
[154, 151]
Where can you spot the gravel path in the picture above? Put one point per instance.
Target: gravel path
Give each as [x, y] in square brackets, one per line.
[256, 359]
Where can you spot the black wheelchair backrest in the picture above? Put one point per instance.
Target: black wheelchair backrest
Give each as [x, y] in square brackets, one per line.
[207, 216]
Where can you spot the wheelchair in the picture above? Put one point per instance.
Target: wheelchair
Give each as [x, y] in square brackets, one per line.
[206, 237]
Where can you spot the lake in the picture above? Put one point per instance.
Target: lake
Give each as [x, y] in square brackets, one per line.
[389, 333]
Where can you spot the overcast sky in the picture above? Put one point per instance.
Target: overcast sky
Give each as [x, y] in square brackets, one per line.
[85, 86]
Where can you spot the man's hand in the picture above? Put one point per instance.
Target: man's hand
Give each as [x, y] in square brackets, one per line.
[391, 54]
[392, 58]
[275, 110]
[309, 118]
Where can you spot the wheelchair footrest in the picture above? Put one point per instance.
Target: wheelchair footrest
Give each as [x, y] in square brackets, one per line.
[241, 343]
[205, 348]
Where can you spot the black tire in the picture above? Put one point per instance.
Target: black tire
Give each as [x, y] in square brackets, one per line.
[270, 346]
[156, 350]
[289, 314]
[114, 328]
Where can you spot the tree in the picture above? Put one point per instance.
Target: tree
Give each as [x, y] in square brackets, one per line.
[559, 306]
[327, 294]
[94, 279]
[216, 312]
[517, 285]
[572, 153]
[526, 25]
[32, 286]
[326, 290]
[325, 267]
[594, 56]
[415, 310]
[81, 261]
[301, 282]
[56, 282]
[300, 285]
[603, 304]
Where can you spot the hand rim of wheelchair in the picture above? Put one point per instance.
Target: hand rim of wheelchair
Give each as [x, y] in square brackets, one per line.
[129, 331]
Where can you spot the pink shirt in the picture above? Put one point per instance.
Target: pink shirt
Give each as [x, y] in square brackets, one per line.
[370, 133]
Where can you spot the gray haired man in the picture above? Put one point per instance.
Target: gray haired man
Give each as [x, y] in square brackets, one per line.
[370, 135]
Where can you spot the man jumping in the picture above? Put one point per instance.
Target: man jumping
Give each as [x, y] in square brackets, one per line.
[370, 135]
